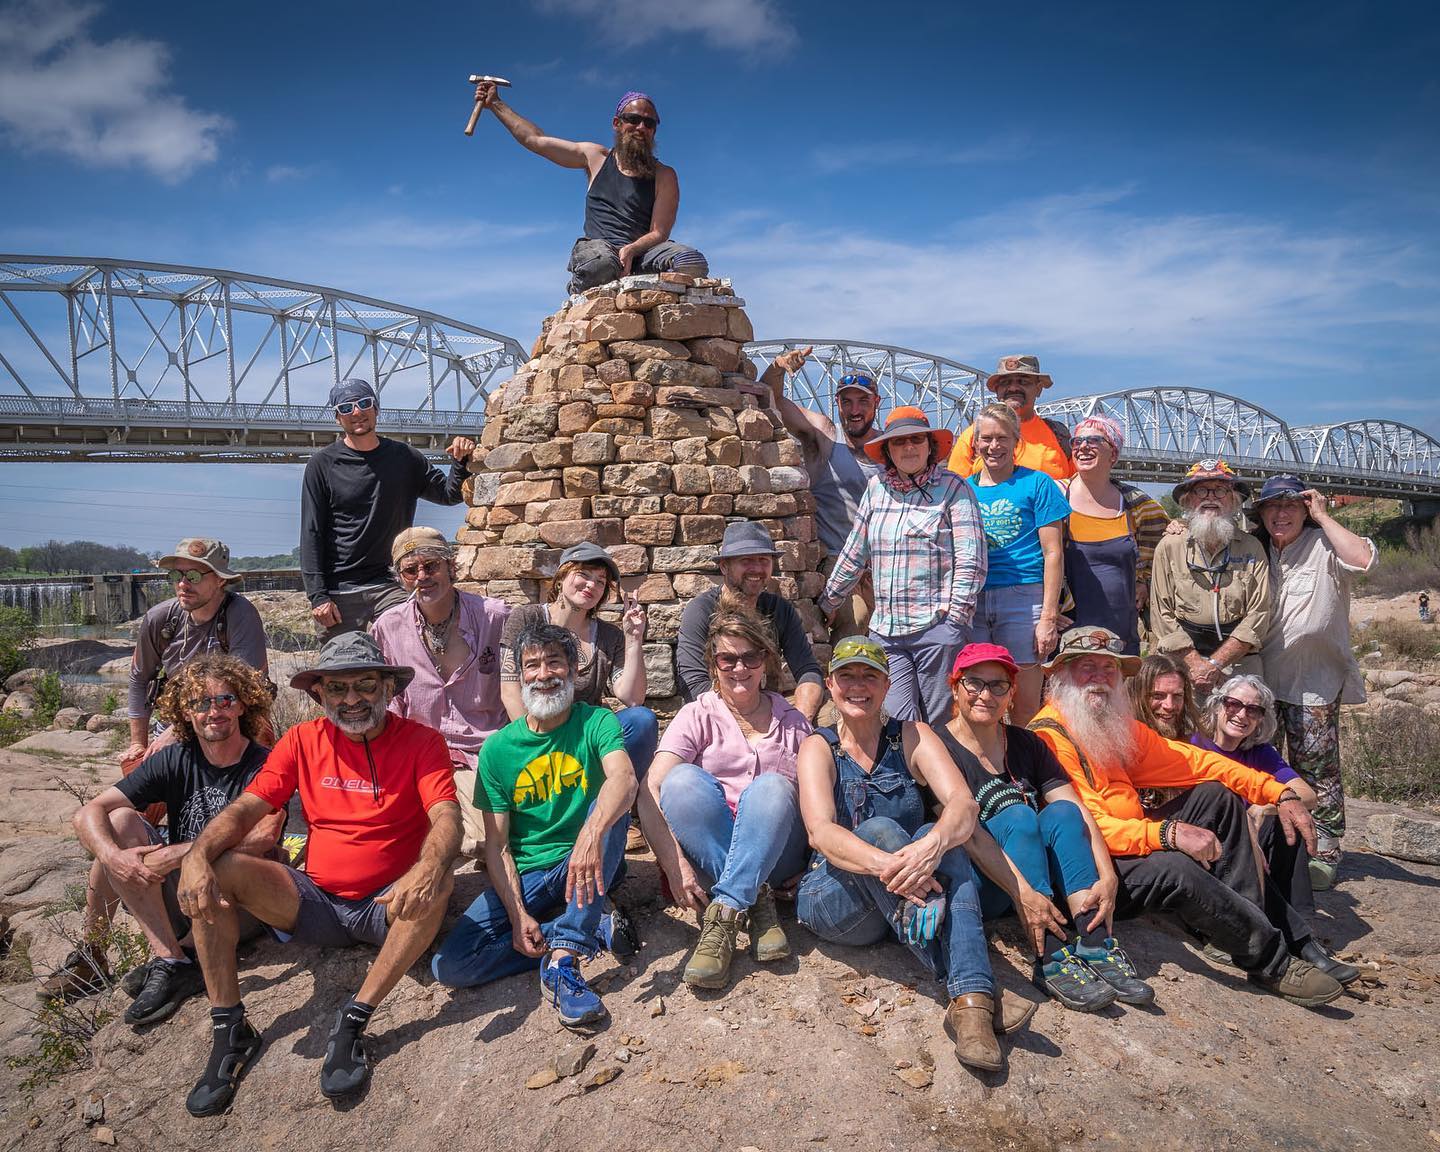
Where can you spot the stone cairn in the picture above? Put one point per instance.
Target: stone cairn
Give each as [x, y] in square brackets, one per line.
[638, 425]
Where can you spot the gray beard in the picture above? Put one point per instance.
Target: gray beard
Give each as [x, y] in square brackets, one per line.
[1101, 720]
[1211, 530]
[547, 705]
[359, 727]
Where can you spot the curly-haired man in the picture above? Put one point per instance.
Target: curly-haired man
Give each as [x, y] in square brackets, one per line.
[218, 706]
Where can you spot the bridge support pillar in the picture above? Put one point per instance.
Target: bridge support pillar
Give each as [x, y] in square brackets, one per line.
[1423, 508]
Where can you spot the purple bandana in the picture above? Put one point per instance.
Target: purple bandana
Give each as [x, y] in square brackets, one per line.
[629, 96]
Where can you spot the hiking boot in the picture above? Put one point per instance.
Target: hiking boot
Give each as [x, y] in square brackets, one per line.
[1012, 1012]
[1322, 874]
[1335, 969]
[1067, 978]
[1110, 963]
[235, 1048]
[970, 1019]
[347, 1065]
[617, 933]
[166, 987]
[575, 1002]
[1302, 983]
[767, 938]
[85, 972]
[709, 964]
[1218, 955]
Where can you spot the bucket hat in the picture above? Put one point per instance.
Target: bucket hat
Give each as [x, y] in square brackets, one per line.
[1210, 469]
[1089, 640]
[1022, 365]
[350, 652]
[907, 421]
[746, 538]
[203, 552]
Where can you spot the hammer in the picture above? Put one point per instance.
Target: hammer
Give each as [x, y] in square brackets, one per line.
[499, 82]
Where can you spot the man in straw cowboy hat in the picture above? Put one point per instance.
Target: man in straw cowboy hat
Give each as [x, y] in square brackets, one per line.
[1044, 443]
[378, 793]
[1193, 856]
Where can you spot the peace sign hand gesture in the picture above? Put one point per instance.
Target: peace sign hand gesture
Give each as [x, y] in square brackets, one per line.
[633, 621]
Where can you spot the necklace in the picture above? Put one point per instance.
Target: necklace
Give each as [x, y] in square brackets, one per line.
[746, 728]
[437, 637]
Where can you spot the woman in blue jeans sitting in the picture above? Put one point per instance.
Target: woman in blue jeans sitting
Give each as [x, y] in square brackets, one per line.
[880, 868]
[1036, 839]
[719, 805]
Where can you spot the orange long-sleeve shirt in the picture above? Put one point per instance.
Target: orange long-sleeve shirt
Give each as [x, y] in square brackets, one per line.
[1112, 794]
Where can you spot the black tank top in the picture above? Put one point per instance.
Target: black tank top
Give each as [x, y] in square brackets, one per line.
[618, 208]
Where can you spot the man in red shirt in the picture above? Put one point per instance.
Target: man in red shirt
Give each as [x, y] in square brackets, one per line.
[378, 794]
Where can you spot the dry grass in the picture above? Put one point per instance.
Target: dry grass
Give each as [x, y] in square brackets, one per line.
[1394, 757]
[1407, 639]
[1415, 567]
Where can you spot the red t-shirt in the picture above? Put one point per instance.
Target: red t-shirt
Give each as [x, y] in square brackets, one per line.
[358, 846]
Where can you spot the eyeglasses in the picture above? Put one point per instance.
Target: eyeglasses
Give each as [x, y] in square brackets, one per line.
[1095, 642]
[207, 703]
[423, 568]
[1087, 442]
[187, 575]
[729, 661]
[339, 689]
[999, 689]
[364, 404]
[635, 120]
[1253, 711]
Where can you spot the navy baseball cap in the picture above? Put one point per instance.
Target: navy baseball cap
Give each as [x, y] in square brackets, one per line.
[352, 389]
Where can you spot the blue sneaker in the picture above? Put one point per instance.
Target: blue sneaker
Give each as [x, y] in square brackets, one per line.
[576, 1004]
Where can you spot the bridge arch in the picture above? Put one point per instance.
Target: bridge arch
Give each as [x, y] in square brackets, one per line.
[1385, 445]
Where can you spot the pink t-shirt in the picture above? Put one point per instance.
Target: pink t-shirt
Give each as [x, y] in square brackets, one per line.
[706, 733]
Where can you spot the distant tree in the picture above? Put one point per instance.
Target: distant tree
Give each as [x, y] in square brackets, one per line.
[9, 559]
[289, 559]
[80, 557]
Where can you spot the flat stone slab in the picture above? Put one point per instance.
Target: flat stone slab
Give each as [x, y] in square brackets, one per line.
[78, 744]
[1404, 836]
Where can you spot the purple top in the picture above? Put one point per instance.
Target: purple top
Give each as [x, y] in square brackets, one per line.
[706, 733]
[1261, 757]
[466, 708]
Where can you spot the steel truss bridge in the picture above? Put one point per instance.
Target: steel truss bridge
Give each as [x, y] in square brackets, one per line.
[115, 360]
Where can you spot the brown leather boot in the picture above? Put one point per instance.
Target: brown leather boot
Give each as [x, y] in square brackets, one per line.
[970, 1020]
[1012, 1012]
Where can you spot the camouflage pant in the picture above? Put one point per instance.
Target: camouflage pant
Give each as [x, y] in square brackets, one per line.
[1312, 748]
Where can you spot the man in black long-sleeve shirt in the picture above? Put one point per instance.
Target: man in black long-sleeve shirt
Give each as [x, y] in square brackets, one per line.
[359, 494]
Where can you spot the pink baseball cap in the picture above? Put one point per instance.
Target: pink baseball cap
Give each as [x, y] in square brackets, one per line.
[973, 654]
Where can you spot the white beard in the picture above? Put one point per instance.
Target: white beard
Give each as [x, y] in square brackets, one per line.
[547, 705]
[360, 727]
[1101, 719]
[1211, 530]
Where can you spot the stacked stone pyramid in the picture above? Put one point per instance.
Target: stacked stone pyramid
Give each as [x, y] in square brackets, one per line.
[638, 424]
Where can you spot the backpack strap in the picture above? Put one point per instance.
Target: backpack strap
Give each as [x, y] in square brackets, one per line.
[222, 629]
[1045, 724]
[1061, 431]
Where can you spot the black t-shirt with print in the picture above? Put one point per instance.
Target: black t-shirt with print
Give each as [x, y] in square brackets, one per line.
[1028, 762]
[192, 789]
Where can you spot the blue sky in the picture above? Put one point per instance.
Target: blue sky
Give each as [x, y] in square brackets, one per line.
[1237, 196]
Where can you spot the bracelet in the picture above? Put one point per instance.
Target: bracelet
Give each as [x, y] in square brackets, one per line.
[1167, 835]
[1288, 794]
[1213, 663]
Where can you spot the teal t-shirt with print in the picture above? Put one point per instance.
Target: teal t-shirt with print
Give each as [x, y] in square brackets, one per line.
[1012, 512]
[546, 781]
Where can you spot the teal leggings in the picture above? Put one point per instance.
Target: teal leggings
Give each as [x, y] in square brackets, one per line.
[1050, 847]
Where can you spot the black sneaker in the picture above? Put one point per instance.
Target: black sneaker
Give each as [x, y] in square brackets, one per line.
[236, 1046]
[347, 1065]
[1335, 969]
[165, 988]
[1114, 967]
[617, 932]
[1074, 983]
[134, 980]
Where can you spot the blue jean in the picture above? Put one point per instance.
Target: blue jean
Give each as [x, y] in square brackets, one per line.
[851, 908]
[920, 671]
[764, 841]
[1050, 847]
[642, 736]
[1007, 616]
[479, 948]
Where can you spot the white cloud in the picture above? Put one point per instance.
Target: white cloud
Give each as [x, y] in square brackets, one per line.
[103, 103]
[830, 158]
[290, 173]
[750, 25]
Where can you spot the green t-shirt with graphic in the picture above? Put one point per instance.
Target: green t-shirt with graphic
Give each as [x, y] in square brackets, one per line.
[546, 781]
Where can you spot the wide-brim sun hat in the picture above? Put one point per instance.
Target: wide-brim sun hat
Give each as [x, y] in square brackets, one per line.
[1279, 488]
[1092, 640]
[908, 421]
[1025, 365]
[1211, 468]
[973, 654]
[859, 650]
[350, 652]
[201, 552]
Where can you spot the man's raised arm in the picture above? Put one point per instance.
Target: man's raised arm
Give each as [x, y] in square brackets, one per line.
[812, 429]
[566, 153]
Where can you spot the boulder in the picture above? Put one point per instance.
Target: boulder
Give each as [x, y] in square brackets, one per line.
[21, 703]
[24, 678]
[1405, 835]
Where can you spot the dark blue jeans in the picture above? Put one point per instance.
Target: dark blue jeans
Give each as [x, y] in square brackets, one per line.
[642, 736]
[1050, 847]
[850, 908]
[479, 948]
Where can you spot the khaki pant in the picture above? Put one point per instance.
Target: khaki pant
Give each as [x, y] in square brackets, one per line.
[852, 617]
[472, 842]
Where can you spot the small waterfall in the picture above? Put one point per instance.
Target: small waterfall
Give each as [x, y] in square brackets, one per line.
[49, 604]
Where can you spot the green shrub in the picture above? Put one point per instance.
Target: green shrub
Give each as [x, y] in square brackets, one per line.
[1401, 638]
[49, 697]
[1394, 757]
[17, 632]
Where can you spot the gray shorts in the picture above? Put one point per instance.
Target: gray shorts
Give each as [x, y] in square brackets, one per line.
[359, 607]
[170, 890]
[329, 921]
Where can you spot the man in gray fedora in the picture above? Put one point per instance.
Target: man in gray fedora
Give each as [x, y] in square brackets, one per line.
[378, 794]
[747, 561]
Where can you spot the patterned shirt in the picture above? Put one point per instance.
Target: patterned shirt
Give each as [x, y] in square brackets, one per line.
[925, 548]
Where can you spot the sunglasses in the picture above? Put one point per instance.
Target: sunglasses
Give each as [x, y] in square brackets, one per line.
[974, 686]
[187, 575]
[364, 404]
[1095, 642]
[857, 381]
[1088, 441]
[423, 568]
[729, 661]
[635, 120]
[207, 703]
[339, 689]
[1253, 711]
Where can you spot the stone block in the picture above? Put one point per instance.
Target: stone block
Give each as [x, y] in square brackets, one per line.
[772, 504]
[1405, 835]
[677, 373]
[504, 457]
[694, 558]
[755, 479]
[755, 425]
[613, 371]
[726, 480]
[682, 396]
[538, 474]
[725, 450]
[627, 411]
[590, 353]
[503, 563]
[650, 530]
[633, 392]
[701, 529]
[723, 354]
[801, 528]
[786, 479]
[649, 280]
[589, 309]
[619, 426]
[677, 423]
[576, 416]
[552, 454]
[721, 422]
[659, 670]
[643, 299]
[617, 326]
[663, 623]
[592, 448]
[781, 453]
[484, 488]
[631, 559]
[623, 506]
[532, 423]
[717, 504]
[638, 479]
[793, 556]
[690, 450]
[682, 505]
[564, 533]
[650, 589]
[643, 351]
[691, 480]
[520, 534]
[581, 481]
[577, 509]
[685, 321]
[688, 585]
[646, 450]
[524, 491]
[738, 327]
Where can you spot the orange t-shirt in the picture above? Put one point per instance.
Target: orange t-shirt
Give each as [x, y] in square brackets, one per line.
[358, 845]
[1038, 449]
